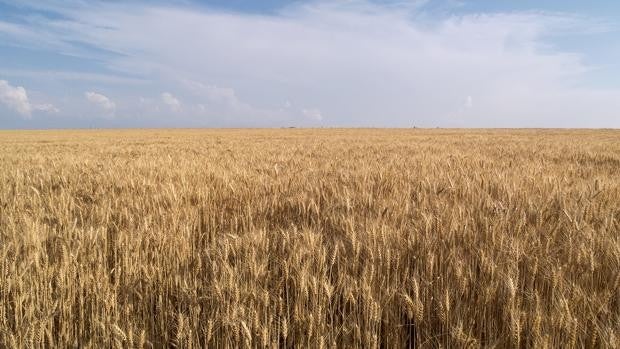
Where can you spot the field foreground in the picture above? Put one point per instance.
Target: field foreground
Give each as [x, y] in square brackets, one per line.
[310, 238]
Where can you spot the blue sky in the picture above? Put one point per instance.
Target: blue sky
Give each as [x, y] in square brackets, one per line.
[273, 63]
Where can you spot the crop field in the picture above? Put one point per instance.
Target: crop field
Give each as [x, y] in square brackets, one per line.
[325, 238]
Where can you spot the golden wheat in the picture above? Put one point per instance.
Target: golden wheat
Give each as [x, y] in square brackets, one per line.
[310, 238]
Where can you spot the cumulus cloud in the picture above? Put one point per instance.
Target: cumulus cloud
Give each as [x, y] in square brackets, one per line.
[49, 108]
[214, 100]
[171, 101]
[16, 98]
[101, 101]
[225, 96]
[313, 114]
[469, 102]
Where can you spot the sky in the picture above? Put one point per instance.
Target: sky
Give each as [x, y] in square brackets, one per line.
[275, 63]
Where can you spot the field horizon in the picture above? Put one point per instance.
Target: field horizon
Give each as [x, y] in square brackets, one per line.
[416, 128]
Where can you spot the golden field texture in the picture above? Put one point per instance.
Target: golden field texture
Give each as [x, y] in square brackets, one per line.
[310, 238]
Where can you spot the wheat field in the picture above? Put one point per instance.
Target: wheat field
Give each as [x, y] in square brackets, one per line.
[310, 238]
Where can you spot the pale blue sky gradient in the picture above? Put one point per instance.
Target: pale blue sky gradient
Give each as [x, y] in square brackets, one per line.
[273, 63]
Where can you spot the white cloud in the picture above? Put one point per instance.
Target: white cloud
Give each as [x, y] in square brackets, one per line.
[469, 102]
[214, 94]
[15, 98]
[224, 94]
[358, 62]
[221, 101]
[171, 101]
[49, 108]
[101, 101]
[313, 114]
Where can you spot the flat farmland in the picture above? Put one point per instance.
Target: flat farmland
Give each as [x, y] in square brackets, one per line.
[310, 238]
